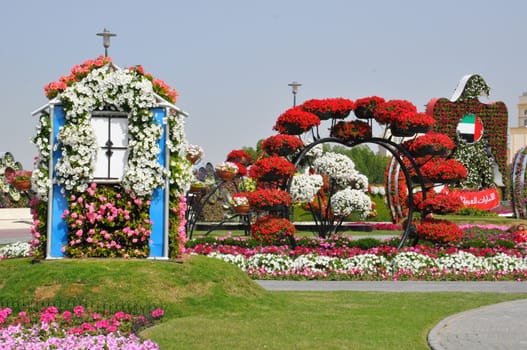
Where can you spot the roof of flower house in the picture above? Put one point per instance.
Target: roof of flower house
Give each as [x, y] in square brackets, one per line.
[160, 100]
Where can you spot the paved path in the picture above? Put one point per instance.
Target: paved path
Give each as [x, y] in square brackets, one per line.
[499, 326]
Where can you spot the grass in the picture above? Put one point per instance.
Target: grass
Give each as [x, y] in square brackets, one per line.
[213, 305]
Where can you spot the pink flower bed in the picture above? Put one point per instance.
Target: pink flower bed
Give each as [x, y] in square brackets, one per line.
[75, 329]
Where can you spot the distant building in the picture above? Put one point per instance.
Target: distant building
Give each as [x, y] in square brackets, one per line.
[518, 135]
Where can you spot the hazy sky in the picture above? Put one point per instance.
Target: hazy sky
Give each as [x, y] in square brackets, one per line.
[231, 60]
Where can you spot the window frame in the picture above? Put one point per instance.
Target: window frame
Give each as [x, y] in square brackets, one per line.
[107, 147]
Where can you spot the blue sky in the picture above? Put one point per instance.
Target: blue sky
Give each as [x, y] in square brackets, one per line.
[231, 60]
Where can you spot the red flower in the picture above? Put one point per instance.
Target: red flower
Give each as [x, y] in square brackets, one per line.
[269, 228]
[242, 170]
[77, 73]
[408, 120]
[370, 103]
[239, 156]
[355, 129]
[441, 231]
[295, 121]
[387, 112]
[267, 198]
[282, 145]
[272, 169]
[442, 170]
[434, 141]
[329, 108]
[438, 203]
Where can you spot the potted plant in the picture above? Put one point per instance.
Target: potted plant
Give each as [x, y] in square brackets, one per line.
[272, 169]
[386, 112]
[240, 203]
[268, 199]
[365, 108]
[198, 187]
[410, 123]
[437, 203]
[194, 153]
[439, 170]
[295, 121]
[430, 144]
[20, 179]
[282, 145]
[352, 130]
[227, 170]
[240, 156]
[329, 108]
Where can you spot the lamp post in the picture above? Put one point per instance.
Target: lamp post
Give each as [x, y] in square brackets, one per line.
[106, 35]
[294, 88]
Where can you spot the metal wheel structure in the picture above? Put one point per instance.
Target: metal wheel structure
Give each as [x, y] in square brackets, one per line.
[398, 153]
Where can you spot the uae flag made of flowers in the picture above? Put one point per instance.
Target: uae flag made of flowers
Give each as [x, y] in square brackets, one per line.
[470, 128]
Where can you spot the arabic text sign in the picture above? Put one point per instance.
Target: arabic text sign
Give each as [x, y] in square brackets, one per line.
[484, 199]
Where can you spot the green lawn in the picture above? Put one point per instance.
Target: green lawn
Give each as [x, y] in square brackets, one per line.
[213, 305]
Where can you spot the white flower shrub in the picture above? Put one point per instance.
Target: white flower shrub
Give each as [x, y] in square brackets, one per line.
[372, 264]
[341, 171]
[411, 261]
[461, 261]
[269, 262]
[15, 250]
[348, 201]
[304, 187]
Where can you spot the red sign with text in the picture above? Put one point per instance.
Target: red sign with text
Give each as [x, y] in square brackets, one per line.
[484, 199]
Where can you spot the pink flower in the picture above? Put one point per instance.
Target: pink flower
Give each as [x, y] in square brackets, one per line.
[78, 311]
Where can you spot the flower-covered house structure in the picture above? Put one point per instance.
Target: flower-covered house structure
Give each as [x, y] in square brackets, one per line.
[111, 168]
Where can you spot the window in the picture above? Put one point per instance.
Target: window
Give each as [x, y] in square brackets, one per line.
[525, 122]
[111, 130]
[525, 112]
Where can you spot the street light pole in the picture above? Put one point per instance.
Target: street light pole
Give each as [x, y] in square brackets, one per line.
[106, 35]
[294, 88]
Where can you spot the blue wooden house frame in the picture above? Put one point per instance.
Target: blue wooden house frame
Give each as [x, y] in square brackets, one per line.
[57, 229]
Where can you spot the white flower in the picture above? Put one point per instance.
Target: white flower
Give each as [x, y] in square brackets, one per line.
[194, 151]
[227, 166]
[304, 187]
[348, 201]
[341, 171]
[15, 250]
